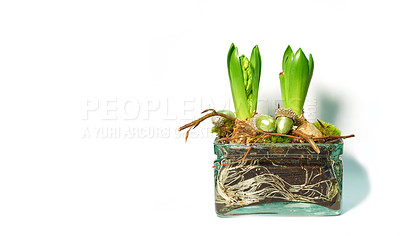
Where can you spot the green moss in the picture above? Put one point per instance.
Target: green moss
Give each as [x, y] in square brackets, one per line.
[281, 139]
[330, 128]
[277, 139]
[224, 130]
[230, 124]
[215, 129]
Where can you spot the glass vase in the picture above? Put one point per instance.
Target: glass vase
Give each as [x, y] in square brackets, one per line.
[277, 178]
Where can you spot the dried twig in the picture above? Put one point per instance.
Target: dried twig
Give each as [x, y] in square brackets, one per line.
[300, 136]
[195, 123]
[283, 135]
[309, 139]
[336, 137]
[323, 126]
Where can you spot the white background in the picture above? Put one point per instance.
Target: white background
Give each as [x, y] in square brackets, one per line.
[59, 59]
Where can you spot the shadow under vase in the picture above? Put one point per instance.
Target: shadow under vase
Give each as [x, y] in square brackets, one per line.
[356, 186]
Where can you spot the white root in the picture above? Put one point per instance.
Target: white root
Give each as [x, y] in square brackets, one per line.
[234, 190]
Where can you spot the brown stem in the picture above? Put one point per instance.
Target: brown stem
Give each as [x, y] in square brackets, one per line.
[276, 134]
[195, 123]
[323, 126]
[309, 139]
[213, 113]
[336, 137]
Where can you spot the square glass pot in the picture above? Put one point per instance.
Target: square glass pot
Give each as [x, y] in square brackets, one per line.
[277, 178]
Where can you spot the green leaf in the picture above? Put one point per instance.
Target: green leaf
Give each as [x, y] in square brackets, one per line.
[255, 63]
[286, 76]
[288, 53]
[310, 66]
[231, 49]
[237, 84]
[286, 60]
[310, 73]
[283, 89]
[296, 78]
[297, 82]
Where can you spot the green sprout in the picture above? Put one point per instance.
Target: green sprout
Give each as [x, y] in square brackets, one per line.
[244, 77]
[295, 79]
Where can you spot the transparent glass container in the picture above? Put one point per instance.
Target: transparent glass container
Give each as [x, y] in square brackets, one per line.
[277, 178]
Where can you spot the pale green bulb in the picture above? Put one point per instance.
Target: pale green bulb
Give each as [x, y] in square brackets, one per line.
[283, 125]
[266, 123]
